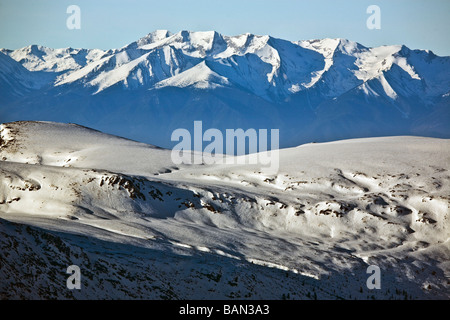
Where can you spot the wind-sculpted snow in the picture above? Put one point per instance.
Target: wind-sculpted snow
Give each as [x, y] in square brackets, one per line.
[164, 80]
[140, 227]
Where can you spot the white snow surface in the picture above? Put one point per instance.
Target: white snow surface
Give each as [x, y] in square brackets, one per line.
[330, 211]
[269, 67]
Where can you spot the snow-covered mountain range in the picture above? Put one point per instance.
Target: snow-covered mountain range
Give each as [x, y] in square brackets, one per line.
[140, 227]
[313, 90]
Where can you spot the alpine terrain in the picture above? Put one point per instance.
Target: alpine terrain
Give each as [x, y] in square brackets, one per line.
[139, 227]
[313, 90]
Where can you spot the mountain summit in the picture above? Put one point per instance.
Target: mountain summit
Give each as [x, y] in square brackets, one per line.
[317, 90]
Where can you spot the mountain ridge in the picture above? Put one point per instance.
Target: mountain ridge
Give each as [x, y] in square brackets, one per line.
[299, 77]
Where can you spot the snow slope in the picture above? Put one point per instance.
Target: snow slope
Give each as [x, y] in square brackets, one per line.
[39, 58]
[140, 227]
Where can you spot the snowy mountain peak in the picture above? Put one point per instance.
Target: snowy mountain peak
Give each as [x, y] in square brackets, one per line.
[200, 77]
[278, 68]
[349, 47]
[154, 36]
[312, 78]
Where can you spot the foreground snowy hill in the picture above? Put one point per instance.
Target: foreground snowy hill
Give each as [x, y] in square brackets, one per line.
[165, 81]
[140, 227]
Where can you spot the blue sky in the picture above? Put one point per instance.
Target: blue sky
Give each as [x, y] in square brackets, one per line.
[419, 24]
